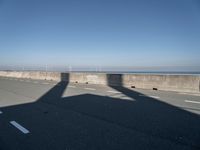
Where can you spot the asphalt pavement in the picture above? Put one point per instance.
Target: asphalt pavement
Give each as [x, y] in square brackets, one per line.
[43, 115]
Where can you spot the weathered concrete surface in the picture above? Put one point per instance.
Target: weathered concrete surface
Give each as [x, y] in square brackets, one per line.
[184, 83]
[56, 76]
[181, 83]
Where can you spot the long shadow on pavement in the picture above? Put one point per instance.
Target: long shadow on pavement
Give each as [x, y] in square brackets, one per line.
[100, 122]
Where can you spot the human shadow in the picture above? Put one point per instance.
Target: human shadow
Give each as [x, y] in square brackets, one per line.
[90, 121]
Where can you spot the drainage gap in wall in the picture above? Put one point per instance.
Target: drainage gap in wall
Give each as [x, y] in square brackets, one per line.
[155, 89]
[86, 82]
[76, 82]
[133, 86]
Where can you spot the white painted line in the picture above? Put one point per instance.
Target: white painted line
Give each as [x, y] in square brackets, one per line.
[149, 96]
[195, 102]
[35, 82]
[18, 126]
[27, 81]
[90, 89]
[193, 94]
[55, 84]
[113, 92]
[154, 96]
[117, 96]
[71, 86]
[182, 93]
[1, 112]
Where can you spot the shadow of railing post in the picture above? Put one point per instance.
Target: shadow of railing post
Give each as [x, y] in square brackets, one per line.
[162, 118]
[57, 91]
[114, 80]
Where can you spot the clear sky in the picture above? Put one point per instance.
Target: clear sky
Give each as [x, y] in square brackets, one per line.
[100, 32]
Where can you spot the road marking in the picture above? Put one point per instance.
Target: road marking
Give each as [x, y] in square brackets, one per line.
[21, 80]
[154, 96]
[90, 89]
[71, 86]
[27, 81]
[183, 93]
[18, 126]
[1, 112]
[115, 95]
[195, 102]
[55, 84]
[35, 82]
[193, 94]
[149, 96]
[113, 92]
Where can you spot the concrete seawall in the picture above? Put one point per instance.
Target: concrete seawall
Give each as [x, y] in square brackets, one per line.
[181, 83]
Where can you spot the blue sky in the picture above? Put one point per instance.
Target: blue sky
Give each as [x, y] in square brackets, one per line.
[100, 32]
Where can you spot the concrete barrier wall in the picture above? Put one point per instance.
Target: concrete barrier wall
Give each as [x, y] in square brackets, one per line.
[91, 78]
[181, 83]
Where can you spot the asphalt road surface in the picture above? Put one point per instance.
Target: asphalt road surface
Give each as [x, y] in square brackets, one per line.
[47, 115]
